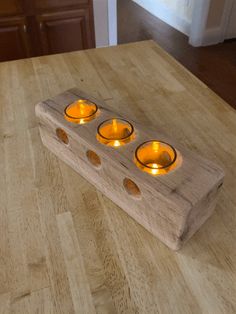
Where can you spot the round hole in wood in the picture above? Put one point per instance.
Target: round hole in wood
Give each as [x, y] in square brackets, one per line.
[132, 188]
[61, 134]
[93, 158]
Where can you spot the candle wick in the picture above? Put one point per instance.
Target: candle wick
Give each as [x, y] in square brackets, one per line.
[114, 126]
[82, 109]
[155, 146]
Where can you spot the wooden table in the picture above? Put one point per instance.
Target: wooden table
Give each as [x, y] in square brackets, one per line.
[65, 248]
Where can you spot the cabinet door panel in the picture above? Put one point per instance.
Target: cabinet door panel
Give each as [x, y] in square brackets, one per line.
[66, 31]
[10, 7]
[49, 4]
[13, 39]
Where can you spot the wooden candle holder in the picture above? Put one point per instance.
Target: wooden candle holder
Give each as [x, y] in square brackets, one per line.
[171, 206]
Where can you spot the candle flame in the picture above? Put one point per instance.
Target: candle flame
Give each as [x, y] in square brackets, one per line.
[114, 125]
[82, 107]
[155, 146]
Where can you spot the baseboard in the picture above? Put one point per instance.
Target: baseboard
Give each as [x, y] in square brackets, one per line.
[165, 14]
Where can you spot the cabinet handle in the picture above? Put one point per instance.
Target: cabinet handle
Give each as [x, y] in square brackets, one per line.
[41, 26]
[25, 28]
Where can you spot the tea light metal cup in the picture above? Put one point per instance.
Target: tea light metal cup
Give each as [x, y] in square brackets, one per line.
[81, 111]
[115, 132]
[155, 157]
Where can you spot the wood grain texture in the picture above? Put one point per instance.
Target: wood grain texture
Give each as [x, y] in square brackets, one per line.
[171, 206]
[126, 268]
[79, 286]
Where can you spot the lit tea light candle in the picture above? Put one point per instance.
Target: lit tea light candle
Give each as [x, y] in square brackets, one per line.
[115, 132]
[81, 111]
[155, 157]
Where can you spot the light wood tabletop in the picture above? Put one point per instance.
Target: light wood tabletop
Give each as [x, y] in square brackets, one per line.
[66, 248]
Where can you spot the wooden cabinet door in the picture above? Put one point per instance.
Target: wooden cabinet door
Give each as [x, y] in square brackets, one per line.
[10, 7]
[14, 42]
[66, 31]
[56, 4]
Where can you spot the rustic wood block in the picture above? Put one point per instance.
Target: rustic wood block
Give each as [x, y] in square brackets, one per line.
[171, 206]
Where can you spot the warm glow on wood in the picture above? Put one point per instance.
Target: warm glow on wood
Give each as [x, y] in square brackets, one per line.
[81, 111]
[117, 143]
[115, 132]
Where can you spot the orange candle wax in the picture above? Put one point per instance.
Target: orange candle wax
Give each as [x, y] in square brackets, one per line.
[115, 132]
[81, 111]
[155, 157]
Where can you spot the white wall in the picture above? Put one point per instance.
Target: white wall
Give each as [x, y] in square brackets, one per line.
[100, 10]
[112, 22]
[182, 8]
[217, 22]
[206, 22]
[230, 31]
[105, 22]
[177, 13]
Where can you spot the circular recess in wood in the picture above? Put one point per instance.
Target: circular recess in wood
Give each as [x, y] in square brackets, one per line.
[93, 158]
[61, 134]
[132, 188]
